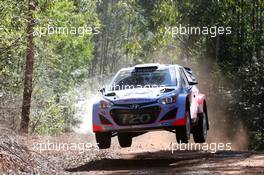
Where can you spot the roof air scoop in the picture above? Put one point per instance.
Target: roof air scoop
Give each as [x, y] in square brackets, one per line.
[146, 67]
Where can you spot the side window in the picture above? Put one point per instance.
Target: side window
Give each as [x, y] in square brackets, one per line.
[183, 78]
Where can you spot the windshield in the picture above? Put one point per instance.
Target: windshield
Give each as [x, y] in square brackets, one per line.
[129, 79]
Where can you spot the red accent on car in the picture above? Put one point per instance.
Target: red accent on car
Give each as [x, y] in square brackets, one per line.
[97, 128]
[201, 98]
[179, 122]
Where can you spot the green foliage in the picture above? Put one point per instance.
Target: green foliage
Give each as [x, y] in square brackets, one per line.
[61, 62]
[12, 43]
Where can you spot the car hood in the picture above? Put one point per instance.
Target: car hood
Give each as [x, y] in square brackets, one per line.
[138, 95]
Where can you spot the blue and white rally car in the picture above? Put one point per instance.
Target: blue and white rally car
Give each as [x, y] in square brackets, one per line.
[150, 97]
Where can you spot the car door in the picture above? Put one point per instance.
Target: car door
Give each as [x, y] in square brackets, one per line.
[192, 92]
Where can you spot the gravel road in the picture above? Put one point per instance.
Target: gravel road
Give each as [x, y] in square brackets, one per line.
[144, 157]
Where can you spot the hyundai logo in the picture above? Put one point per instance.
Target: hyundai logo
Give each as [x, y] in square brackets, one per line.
[134, 106]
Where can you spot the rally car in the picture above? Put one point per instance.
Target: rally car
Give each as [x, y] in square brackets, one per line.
[150, 97]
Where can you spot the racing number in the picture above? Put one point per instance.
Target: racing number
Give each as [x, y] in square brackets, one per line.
[136, 118]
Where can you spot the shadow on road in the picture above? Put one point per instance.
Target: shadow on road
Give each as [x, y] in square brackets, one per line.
[122, 164]
[159, 159]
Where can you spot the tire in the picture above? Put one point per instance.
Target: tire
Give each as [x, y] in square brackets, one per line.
[200, 131]
[103, 140]
[125, 140]
[183, 132]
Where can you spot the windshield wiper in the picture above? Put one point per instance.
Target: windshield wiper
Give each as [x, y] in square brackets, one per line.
[166, 90]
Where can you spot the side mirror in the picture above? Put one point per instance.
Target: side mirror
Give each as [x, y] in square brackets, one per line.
[102, 90]
[193, 83]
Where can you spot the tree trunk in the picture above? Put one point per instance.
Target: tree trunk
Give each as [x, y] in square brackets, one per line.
[29, 69]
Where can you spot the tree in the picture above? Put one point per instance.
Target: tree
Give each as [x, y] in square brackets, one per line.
[29, 69]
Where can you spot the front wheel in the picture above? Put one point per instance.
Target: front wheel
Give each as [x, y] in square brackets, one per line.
[183, 132]
[103, 140]
[125, 140]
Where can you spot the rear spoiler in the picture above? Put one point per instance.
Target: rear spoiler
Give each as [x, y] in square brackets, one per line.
[189, 70]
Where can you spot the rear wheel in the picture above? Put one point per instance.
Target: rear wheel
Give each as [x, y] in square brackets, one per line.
[200, 131]
[125, 140]
[183, 132]
[103, 140]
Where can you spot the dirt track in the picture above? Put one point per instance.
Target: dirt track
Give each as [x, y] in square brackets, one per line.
[162, 162]
[149, 154]
[146, 158]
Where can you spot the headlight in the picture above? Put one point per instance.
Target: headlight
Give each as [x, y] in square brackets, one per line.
[168, 100]
[105, 104]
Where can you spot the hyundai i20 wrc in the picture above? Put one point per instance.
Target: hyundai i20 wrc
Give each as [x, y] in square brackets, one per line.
[150, 97]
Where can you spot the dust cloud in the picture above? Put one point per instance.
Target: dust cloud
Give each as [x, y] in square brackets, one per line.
[85, 95]
[84, 113]
[224, 127]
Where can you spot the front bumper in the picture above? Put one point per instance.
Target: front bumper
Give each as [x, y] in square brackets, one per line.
[161, 116]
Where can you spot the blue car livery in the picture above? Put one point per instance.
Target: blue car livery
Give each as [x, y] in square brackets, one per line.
[150, 97]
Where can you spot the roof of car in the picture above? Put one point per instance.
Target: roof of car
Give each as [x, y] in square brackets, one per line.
[151, 65]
